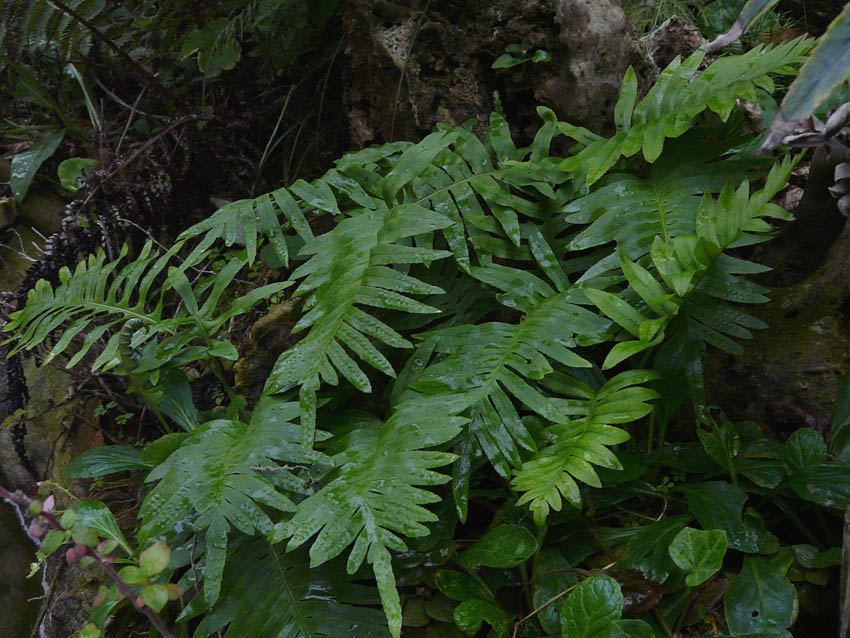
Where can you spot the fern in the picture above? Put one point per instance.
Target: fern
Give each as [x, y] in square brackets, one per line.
[98, 299]
[673, 102]
[39, 25]
[219, 477]
[509, 268]
[696, 280]
[575, 446]
[260, 576]
[374, 495]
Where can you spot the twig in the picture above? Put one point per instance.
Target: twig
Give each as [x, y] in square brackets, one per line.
[122, 164]
[24, 501]
[129, 119]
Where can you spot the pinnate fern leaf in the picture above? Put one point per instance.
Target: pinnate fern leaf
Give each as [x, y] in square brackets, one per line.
[348, 269]
[573, 448]
[694, 281]
[374, 497]
[493, 365]
[676, 98]
[218, 478]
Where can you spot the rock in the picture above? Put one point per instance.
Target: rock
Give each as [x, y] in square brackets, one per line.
[676, 36]
[445, 56]
[598, 46]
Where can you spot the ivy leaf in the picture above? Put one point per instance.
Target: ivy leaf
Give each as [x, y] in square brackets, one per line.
[803, 448]
[550, 580]
[699, 553]
[721, 442]
[648, 548]
[760, 599]
[719, 505]
[477, 604]
[502, 547]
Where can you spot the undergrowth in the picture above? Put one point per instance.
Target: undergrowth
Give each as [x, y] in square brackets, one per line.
[467, 427]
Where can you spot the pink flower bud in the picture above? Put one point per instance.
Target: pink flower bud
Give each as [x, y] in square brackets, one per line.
[49, 503]
[71, 555]
[38, 527]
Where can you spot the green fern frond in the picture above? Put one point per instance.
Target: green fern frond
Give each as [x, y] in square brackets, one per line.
[349, 269]
[630, 210]
[218, 478]
[574, 447]
[375, 497]
[493, 364]
[695, 281]
[97, 300]
[92, 295]
[674, 101]
[38, 25]
[268, 592]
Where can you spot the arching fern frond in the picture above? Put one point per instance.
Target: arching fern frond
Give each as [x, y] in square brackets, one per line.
[374, 497]
[98, 299]
[574, 447]
[694, 281]
[348, 269]
[226, 484]
[494, 364]
[677, 97]
[630, 209]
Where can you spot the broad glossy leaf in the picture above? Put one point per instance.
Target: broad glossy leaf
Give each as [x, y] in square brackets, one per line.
[826, 484]
[803, 448]
[648, 548]
[592, 608]
[550, 581]
[699, 553]
[760, 599]
[719, 505]
[502, 547]
[25, 165]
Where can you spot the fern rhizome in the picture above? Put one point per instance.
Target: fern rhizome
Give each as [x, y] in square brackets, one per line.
[511, 310]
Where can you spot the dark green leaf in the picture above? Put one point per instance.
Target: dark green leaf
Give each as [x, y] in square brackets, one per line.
[803, 448]
[502, 547]
[760, 599]
[106, 459]
[699, 553]
[96, 516]
[826, 484]
[592, 608]
[25, 165]
[719, 505]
